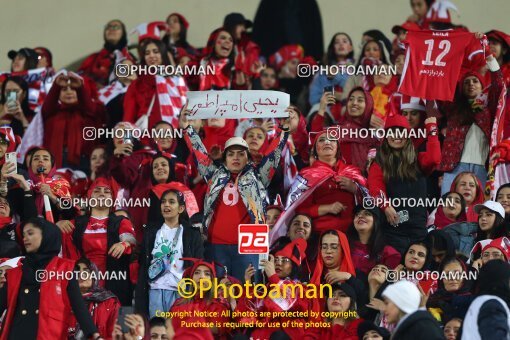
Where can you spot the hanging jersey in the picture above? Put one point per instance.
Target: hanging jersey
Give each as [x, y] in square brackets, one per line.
[433, 63]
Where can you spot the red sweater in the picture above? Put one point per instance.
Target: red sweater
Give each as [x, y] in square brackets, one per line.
[138, 99]
[389, 256]
[130, 174]
[63, 125]
[327, 193]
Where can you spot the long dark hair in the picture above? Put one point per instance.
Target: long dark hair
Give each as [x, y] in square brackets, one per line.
[376, 242]
[171, 167]
[381, 47]
[183, 34]
[183, 217]
[330, 57]
[507, 216]
[161, 47]
[122, 42]
[228, 70]
[400, 163]
[499, 229]
[428, 256]
[24, 87]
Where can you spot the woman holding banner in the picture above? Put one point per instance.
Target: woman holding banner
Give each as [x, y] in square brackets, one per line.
[236, 188]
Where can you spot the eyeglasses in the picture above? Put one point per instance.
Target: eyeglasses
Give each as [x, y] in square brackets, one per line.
[492, 255]
[281, 260]
[333, 246]
[113, 27]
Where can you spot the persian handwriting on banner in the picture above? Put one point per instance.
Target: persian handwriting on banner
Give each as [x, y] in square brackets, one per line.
[237, 104]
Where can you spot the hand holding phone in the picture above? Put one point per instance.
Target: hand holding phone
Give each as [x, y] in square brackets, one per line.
[123, 311]
[11, 158]
[12, 101]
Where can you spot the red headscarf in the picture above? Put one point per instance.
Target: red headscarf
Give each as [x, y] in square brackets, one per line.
[472, 216]
[345, 258]
[188, 273]
[360, 146]
[441, 221]
[263, 149]
[290, 250]
[103, 182]
[286, 53]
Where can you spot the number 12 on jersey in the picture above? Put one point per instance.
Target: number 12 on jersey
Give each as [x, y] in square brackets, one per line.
[444, 46]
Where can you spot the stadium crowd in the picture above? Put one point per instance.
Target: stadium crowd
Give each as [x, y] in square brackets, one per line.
[406, 271]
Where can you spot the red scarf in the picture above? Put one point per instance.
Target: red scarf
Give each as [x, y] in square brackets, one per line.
[59, 186]
[441, 221]
[345, 260]
[5, 221]
[471, 215]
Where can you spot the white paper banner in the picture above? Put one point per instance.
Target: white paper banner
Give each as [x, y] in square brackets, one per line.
[237, 104]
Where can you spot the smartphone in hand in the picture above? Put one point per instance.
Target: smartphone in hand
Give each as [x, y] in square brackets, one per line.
[329, 89]
[123, 311]
[10, 157]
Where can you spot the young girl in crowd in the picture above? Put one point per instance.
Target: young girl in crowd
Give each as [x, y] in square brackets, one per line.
[399, 171]
[441, 247]
[417, 258]
[469, 120]
[220, 54]
[42, 173]
[367, 243]
[491, 221]
[144, 94]
[334, 263]
[340, 52]
[177, 34]
[503, 197]
[164, 245]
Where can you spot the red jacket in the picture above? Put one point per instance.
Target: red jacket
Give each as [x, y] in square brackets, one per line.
[185, 332]
[98, 66]
[327, 193]
[456, 133]
[389, 256]
[54, 305]
[63, 125]
[347, 332]
[134, 174]
[138, 99]
[104, 314]
[302, 304]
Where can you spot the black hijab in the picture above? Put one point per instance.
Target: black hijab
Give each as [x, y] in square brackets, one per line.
[122, 42]
[50, 247]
